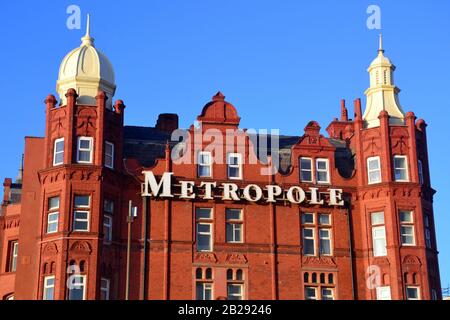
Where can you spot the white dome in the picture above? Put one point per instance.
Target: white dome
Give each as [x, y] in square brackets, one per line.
[86, 62]
[87, 70]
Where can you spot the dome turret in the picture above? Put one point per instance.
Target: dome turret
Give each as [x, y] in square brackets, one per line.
[87, 70]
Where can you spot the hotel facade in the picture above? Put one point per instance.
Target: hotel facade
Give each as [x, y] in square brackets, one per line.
[344, 216]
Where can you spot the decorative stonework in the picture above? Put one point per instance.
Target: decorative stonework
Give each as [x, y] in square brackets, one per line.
[11, 223]
[81, 247]
[236, 258]
[411, 260]
[319, 261]
[205, 257]
[50, 249]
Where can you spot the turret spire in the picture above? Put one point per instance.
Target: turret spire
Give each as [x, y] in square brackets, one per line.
[380, 47]
[382, 94]
[87, 40]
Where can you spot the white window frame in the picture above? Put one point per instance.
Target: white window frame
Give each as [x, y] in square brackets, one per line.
[329, 239]
[379, 252]
[90, 150]
[109, 227]
[313, 238]
[327, 170]
[238, 166]
[383, 293]
[315, 293]
[47, 287]
[202, 233]
[407, 224]
[240, 296]
[75, 219]
[234, 223]
[405, 168]
[307, 170]
[105, 289]
[55, 153]
[50, 214]
[83, 283]
[204, 286]
[329, 219]
[323, 295]
[309, 214]
[111, 165]
[412, 287]
[199, 164]
[14, 254]
[369, 171]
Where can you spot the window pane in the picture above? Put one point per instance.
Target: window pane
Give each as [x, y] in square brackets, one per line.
[308, 218]
[406, 216]
[53, 203]
[81, 201]
[412, 293]
[374, 176]
[306, 175]
[85, 144]
[310, 293]
[308, 247]
[59, 158]
[204, 213]
[374, 164]
[327, 294]
[204, 171]
[234, 292]
[59, 146]
[399, 163]
[324, 219]
[305, 164]
[377, 218]
[234, 172]
[322, 176]
[321, 164]
[84, 156]
[52, 224]
[233, 214]
[203, 242]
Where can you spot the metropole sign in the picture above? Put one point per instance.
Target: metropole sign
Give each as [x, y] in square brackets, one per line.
[232, 192]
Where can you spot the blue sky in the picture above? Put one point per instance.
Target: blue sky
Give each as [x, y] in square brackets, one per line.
[281, 63]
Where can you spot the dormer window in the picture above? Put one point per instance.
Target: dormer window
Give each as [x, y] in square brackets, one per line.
[58, 152]
[85, 149]
[306, 170]
[234, 164]
[322, 171]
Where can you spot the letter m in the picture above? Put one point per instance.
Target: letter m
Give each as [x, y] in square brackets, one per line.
[153, 188]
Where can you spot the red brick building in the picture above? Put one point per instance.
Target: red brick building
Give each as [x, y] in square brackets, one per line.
[348, 216]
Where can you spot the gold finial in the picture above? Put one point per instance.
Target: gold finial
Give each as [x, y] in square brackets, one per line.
[87, 39]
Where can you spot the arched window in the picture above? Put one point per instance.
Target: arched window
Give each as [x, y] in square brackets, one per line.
[239, 275]
[198, 273]
[306, 277]
[322, 278]
[208, 274]
[314, 278]
[82, 266]
[229, 274]
[330, 278]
